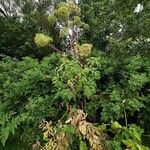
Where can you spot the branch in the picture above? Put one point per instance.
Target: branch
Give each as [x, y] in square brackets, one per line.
[1, 11]
[54, 48]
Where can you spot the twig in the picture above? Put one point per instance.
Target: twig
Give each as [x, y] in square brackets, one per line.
[55, 49]
[125, 116]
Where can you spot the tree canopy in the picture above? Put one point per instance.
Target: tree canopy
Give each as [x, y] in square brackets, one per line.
[74, 76]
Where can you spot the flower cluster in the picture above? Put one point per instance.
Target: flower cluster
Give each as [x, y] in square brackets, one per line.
[42, 40]
[52, 20]
[74, 9]
[77, 21]
[62, 13]
[83, 50]
[66, 10]
[64, 32]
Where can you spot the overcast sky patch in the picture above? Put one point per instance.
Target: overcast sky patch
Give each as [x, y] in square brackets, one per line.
[138, 8]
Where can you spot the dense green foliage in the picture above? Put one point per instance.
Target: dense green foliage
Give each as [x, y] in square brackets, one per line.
[105, 72]
[18, 31]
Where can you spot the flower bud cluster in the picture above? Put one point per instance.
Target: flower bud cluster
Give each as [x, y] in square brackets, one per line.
[83, 50]
[42, 40]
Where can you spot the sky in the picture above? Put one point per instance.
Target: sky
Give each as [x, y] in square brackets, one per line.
[138, 8]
